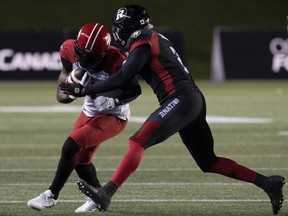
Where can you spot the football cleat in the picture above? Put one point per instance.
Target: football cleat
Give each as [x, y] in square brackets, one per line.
[274, 192]
[88, 206]
[98, 195]
[43, 201]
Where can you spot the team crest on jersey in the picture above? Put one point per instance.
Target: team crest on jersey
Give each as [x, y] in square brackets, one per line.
[136, 34]
[121, 15]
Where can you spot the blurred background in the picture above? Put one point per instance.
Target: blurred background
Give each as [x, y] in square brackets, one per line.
[193, 25]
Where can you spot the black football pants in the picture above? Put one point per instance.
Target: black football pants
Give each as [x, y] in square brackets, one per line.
[185, 114]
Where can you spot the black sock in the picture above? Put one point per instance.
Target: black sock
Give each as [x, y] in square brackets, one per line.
[65, 166]
[261, 181]
[110, 188]
[88, 173]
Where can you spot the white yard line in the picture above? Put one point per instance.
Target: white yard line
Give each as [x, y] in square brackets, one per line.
[144, 184]
[143, 169]
[39, 109]
[152, 200]
[190, 200]
[157, 157]
[283, 133]
[137, 119]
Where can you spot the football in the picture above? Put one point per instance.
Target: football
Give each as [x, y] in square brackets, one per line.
[78, 75]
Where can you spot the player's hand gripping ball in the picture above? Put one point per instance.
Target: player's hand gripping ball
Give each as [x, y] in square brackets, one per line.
[78, 76]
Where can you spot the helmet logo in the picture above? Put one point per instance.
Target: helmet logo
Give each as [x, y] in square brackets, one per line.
[121, 15]
[136, 34]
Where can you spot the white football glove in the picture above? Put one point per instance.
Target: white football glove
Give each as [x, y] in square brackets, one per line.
[104, 103]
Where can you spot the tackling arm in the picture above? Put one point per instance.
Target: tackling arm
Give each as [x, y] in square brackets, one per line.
[133, 65]
[130, 92]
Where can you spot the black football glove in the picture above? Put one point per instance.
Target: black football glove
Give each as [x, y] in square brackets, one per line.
[74, 89]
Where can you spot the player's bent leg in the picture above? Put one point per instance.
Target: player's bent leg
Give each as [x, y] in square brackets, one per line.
[209, 162]
[88, 173]
[271, 185]
[65, 166]
[232, 169]
[129, 163]
[43, 201]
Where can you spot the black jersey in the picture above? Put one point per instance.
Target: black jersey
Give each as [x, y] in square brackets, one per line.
[165, 72]
[153, 57]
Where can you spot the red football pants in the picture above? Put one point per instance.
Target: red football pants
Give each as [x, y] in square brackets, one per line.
[90, 132]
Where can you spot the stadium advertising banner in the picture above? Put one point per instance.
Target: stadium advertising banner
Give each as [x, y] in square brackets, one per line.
[29, 55]
[249, 54]
[26, 55]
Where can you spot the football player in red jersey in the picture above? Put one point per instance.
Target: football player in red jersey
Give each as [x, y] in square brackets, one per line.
[102, 117]
[182, 109]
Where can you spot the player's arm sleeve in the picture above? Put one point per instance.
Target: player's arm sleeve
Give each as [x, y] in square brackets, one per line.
[134, 64]
[130, 92]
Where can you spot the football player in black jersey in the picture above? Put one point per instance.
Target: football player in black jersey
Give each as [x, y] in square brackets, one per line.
[182, 109]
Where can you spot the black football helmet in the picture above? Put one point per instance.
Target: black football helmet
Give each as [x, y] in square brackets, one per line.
[128, 19]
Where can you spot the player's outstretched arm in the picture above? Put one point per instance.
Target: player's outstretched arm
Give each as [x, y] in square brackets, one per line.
[135, 62]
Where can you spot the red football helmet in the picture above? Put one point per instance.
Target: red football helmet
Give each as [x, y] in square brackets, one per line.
[91, 46]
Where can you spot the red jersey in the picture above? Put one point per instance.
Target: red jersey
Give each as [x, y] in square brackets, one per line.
[113, 60]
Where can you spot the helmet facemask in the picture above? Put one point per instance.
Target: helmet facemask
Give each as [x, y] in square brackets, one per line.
[89, 60]
[121, 34]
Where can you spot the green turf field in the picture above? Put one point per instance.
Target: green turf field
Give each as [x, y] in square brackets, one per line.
[250, 125]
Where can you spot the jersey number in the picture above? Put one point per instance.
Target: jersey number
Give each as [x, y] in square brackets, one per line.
[178, 58]
[175, 53]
